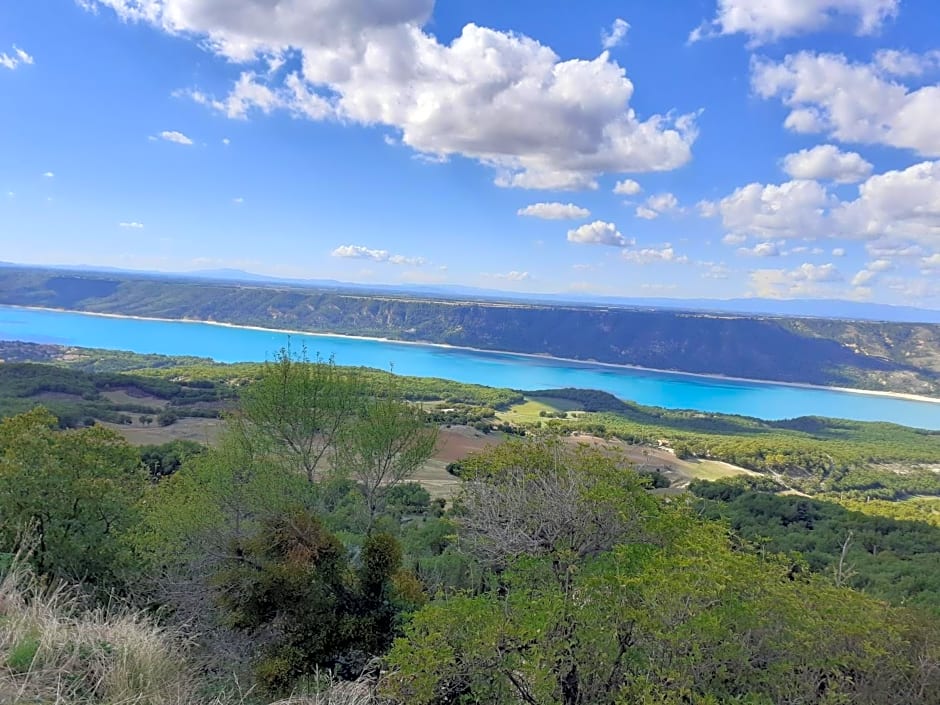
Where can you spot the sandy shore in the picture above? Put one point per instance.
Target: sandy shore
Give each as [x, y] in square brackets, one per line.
[532, 356]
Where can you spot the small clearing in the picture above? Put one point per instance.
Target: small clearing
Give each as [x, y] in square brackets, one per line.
[454, 443]
[530, 411]
[199, 430]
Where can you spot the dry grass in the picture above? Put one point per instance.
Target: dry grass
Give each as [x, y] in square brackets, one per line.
[360, 692]
[200, 430]
[53, 651]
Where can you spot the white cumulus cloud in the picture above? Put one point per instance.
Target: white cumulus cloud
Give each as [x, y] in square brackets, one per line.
[826, 162]
[768, 20]
[361, 252]
[762, 249]
[871, 272]
[896, 214]
[627, 187]
[805, 280]
[554, 211]
[598, 233]
[898, 204]
[371, 62]
[851, 102]
[130, 224]
[796, 209]
[656, 205]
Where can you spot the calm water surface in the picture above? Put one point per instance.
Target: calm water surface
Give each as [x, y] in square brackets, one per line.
[676, 391]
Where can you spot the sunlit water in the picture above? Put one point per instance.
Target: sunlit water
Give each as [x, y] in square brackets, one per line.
[671, 390]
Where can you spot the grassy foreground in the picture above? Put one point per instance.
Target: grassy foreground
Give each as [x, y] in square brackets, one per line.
[56, 650]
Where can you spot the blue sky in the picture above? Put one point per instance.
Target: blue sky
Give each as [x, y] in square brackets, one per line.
[721, 148]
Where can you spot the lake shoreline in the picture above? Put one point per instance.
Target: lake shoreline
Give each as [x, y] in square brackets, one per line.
[533, 356]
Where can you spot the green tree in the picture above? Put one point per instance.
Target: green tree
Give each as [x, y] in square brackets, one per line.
[165, 459]
[642, 604]
[386, 443]
[216, 499]
[75, 490]
[300, 406]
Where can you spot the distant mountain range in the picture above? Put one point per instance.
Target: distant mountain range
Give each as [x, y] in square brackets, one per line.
[813, 308]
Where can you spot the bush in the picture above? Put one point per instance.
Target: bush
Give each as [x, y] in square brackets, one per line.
[167, 418]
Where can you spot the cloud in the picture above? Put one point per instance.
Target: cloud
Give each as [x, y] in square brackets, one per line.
[554, 211]
[896, 213]
[895, 249]
[174, 136]
[226, 141]
[707, 209]
[17, 58]
[899, 204]
[510, 276]
[827, 163]
[768, 20]
[132, 225]
[794, 209]
[650, 255]
[851, 102]
[762, 249]
[238, 200]
[904, 63]
[806, 280]
[932, 262]
[627, 187]
[360, 252]
[871, 272]
[662, 202]
[717, 271]
[657, 205]
[49, 175]
[598, 233]
[372, 63]
[616, 35]
[250, 93]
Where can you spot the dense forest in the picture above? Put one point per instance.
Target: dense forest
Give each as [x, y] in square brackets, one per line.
[296, 557]
[871, 355]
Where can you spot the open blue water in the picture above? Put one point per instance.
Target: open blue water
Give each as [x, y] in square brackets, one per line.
[671, 390]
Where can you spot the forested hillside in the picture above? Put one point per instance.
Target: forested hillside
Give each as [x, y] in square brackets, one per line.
[893, 357]
[294, 557]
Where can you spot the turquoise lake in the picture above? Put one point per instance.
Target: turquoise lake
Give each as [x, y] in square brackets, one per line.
[671, 390]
